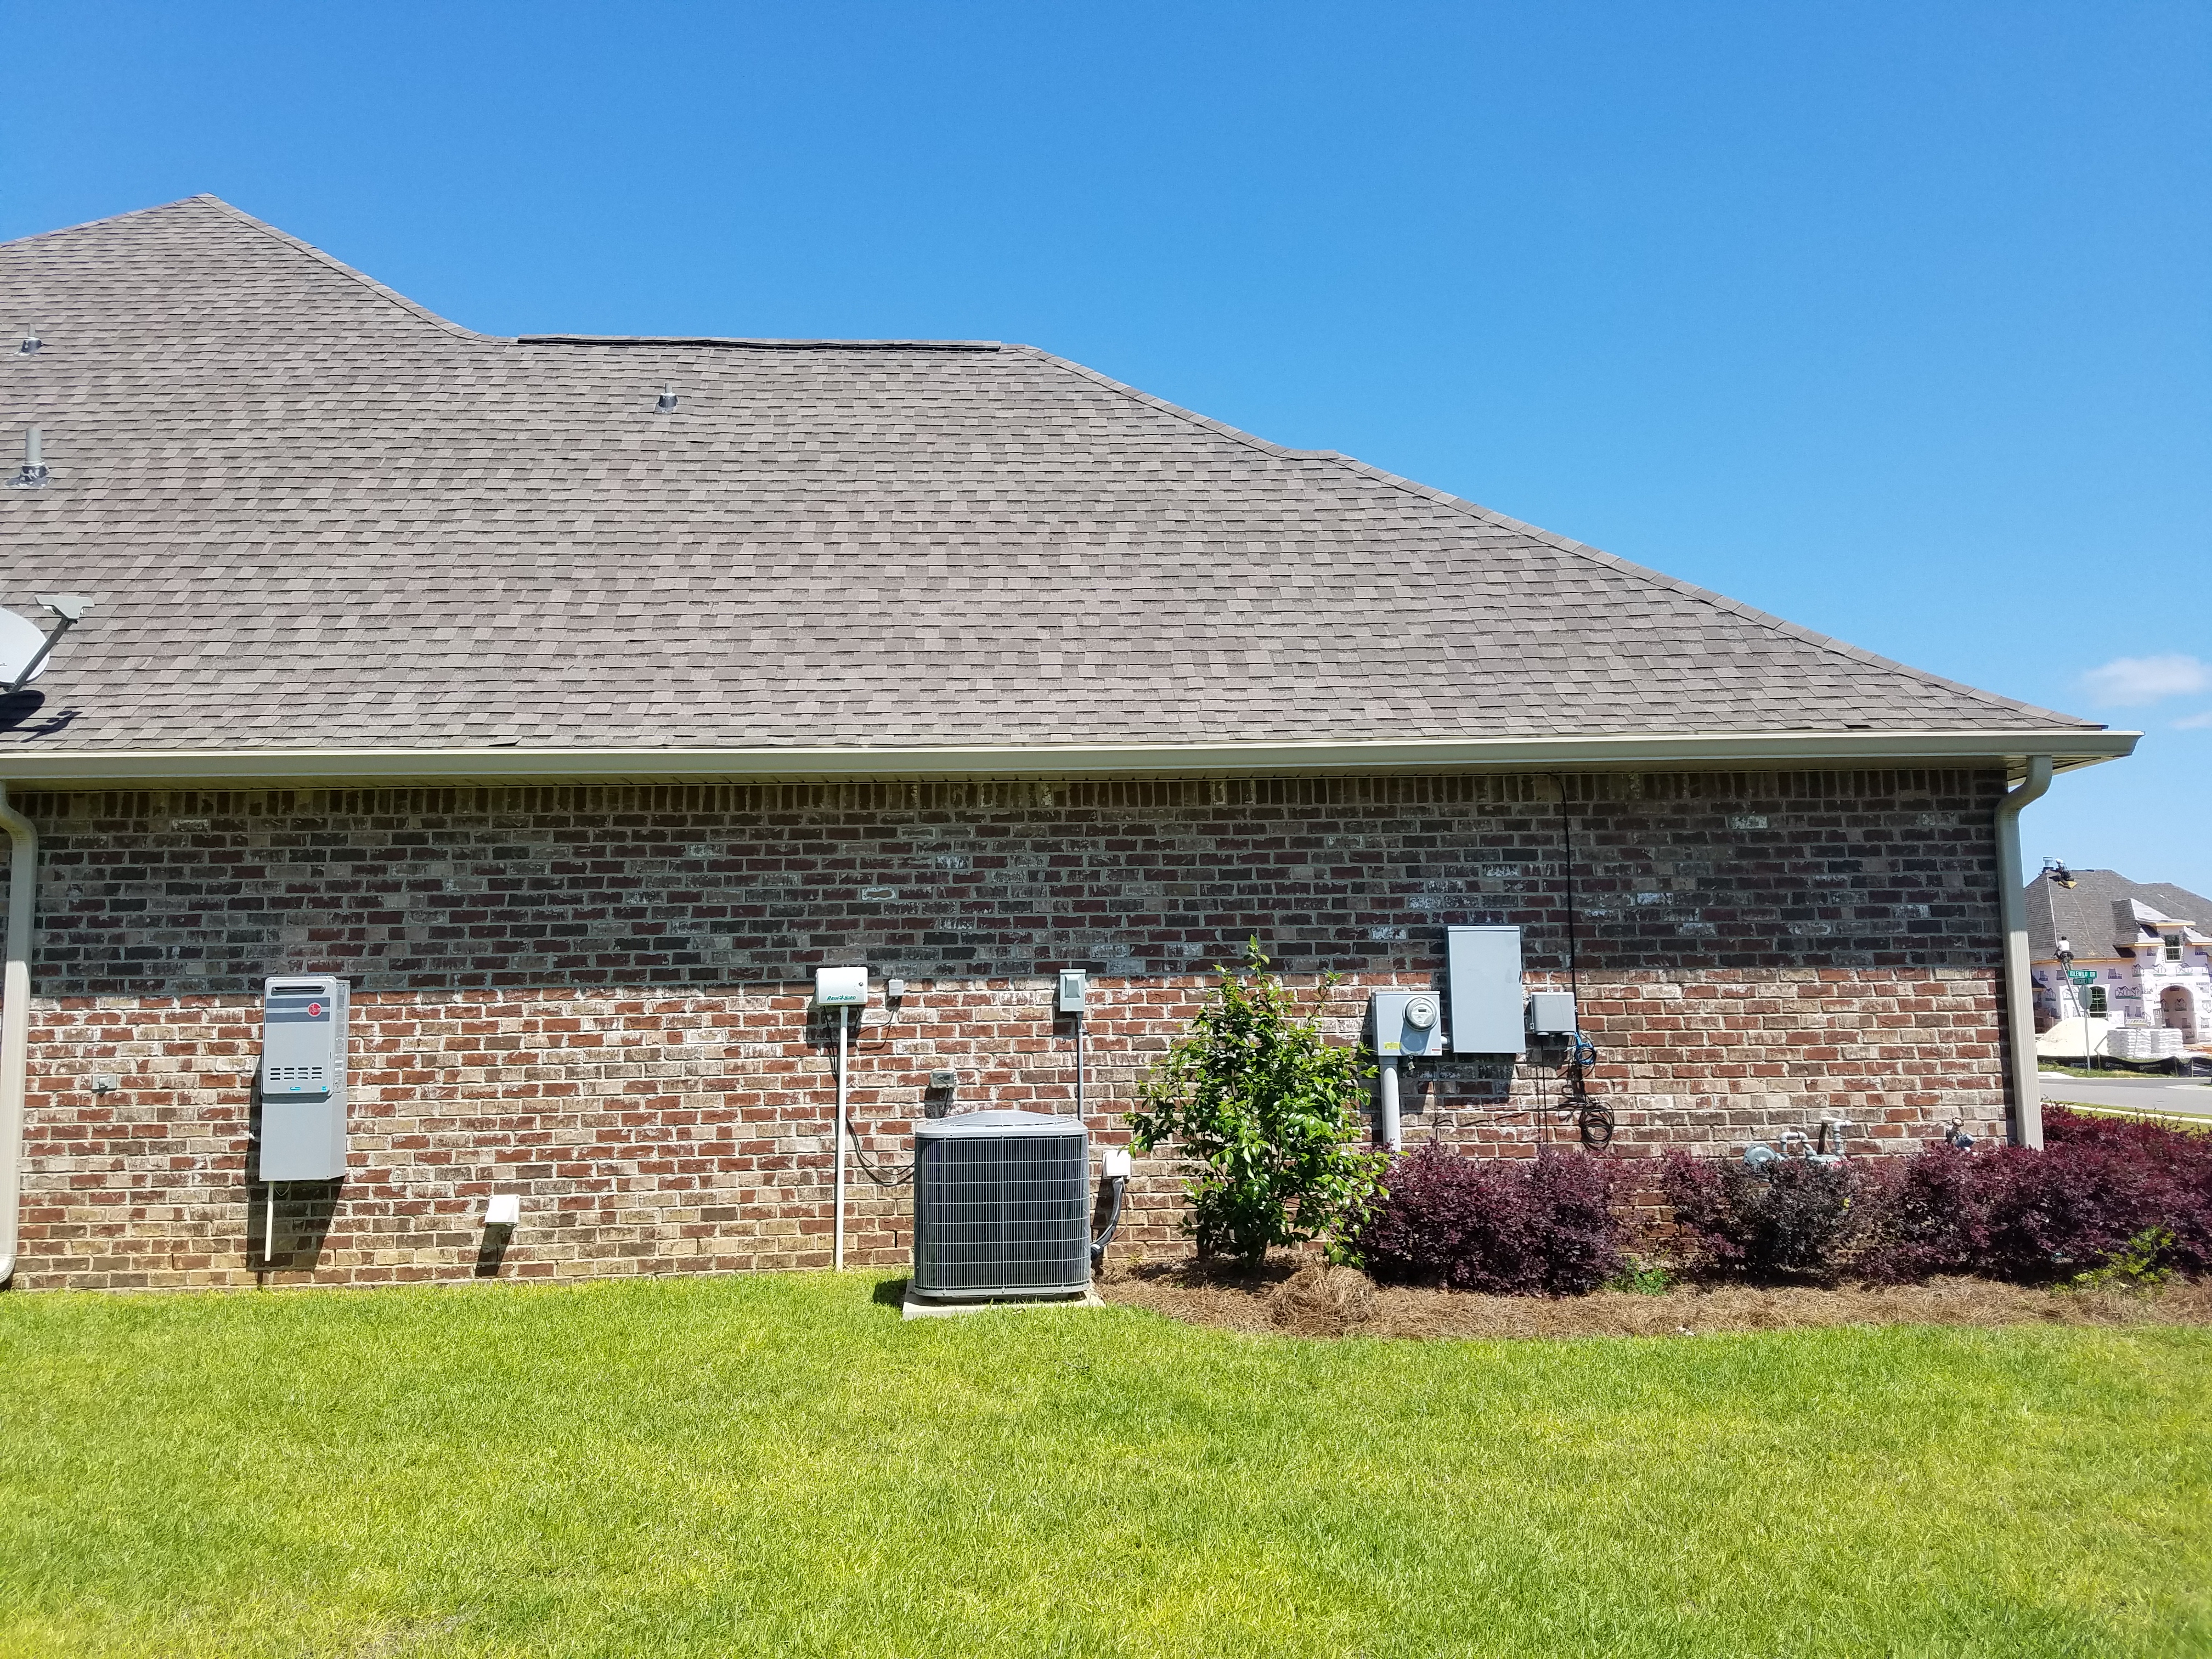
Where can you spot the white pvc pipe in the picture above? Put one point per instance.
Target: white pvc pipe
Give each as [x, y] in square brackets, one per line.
[2019, 989]
[1389, 1104]
[838, 1254]
[16, 1022]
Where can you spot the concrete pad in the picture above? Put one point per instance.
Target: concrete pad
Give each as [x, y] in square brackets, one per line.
[916, 1307]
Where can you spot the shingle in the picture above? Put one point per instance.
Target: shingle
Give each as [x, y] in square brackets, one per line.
[315, 513]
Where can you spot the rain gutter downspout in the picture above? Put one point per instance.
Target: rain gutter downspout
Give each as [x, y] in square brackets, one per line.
[16, 1022]
[2019, 990]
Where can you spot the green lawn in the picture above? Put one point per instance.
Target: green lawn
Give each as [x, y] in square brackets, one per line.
[777, 1465]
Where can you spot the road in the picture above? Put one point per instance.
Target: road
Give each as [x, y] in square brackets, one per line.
[2188, 1095]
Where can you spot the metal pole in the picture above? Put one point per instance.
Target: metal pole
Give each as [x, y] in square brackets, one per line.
[32, 666]
[1079, 1068]
[839, 1250]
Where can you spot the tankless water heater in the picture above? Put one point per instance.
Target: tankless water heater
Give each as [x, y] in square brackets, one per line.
[303, 1078]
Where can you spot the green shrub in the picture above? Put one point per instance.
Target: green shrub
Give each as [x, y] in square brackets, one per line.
[2134, 1266]
[1272, 1117]
[1641, 1278]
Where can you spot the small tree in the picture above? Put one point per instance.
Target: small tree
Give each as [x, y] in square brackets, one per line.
[1270, 1115]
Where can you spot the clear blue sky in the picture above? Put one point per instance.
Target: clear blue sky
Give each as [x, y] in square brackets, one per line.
[1893, 318]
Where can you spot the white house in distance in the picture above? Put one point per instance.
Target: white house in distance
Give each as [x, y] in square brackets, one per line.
[2140, 955]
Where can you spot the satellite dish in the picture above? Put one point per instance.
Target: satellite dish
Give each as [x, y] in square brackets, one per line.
[20, 640]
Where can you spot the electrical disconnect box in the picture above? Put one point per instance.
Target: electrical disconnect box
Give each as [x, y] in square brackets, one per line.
[1074, 986]
[1484, 968]
[1552, 1015]
[1407, 1024]
[303, 1078]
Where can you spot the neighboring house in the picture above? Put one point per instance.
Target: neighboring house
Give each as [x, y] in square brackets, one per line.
[575, 698]
[2149, 946]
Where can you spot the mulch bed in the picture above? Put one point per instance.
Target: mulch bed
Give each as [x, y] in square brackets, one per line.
[1294, 1298]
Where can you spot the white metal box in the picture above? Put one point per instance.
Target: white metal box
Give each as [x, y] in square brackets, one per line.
[1484, 967]
[841, 987]
[303, 1078]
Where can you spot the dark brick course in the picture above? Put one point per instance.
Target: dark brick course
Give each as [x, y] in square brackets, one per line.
[148, 893]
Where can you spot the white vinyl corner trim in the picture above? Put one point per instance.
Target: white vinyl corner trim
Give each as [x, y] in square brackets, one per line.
[2019, 988]
[16, 1023]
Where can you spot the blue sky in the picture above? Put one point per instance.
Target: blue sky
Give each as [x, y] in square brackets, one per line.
[1894, 320]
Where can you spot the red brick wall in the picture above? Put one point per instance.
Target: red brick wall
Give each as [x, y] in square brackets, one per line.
[597, 998]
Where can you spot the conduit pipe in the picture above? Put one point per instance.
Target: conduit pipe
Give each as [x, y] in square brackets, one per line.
[16, 1022]
[837, 1249]
[2019, 989]
[1387, 1125]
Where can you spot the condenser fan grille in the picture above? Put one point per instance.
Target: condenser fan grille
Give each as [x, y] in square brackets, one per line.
[1003, 1214]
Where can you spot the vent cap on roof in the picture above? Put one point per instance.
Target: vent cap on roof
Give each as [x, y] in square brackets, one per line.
[33, 473]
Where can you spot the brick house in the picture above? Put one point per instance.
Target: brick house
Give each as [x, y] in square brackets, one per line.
[575, 698]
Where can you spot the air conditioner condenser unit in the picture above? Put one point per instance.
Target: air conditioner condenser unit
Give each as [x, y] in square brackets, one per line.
[1001, 1207]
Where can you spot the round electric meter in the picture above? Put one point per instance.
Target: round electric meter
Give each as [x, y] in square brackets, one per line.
[1420, 1012]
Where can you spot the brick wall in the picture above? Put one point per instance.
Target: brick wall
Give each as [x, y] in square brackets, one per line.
[597, 997]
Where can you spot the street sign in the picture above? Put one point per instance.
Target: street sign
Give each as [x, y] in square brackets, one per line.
[2083, 976]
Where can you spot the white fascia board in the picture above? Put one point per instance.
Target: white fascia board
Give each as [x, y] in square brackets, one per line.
[31, 766]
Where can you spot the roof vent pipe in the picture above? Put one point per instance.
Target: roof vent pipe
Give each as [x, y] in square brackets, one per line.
[668, 403]
[34, 472]
[30, 346]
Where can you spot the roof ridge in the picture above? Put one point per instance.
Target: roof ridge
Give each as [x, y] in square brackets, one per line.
[421, 312]
[1489, 515]
[105, 219]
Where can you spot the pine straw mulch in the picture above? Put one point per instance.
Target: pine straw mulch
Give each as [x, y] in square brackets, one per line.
[1293, 1298]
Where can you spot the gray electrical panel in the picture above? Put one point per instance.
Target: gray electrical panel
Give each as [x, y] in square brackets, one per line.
[1484, 966]
[303, 1078]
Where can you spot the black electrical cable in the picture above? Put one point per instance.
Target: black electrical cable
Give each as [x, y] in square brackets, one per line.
[1593, 1117]
[870, 1170]
[1113, 1221]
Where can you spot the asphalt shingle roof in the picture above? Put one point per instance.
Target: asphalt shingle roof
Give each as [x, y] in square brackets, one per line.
[315, 513]
[2089, 914]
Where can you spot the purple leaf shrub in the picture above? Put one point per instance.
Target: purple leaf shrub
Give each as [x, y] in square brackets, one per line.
[1510, 1227]
[2007, 1213]
[1794, 1220]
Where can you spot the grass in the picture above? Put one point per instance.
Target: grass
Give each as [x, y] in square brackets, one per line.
[777, 1465]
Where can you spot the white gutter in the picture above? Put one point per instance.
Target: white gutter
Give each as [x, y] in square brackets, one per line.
[34, 764]
[16, 1022]
[2019, 989]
